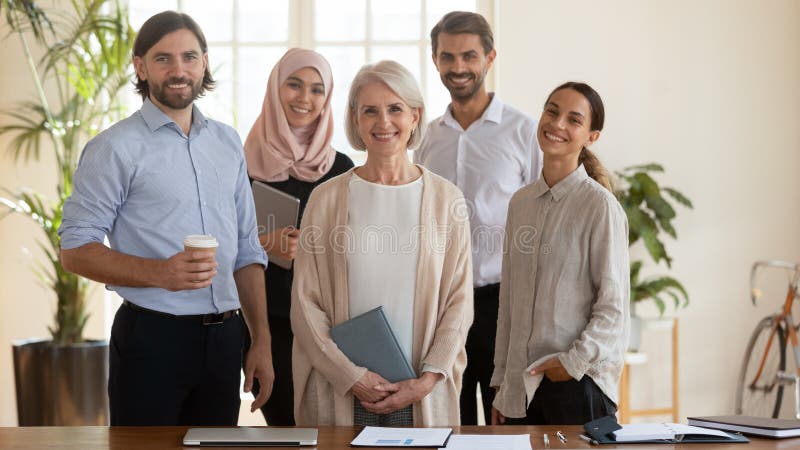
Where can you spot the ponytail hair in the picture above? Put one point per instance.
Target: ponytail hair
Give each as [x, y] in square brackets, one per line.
[594, 168]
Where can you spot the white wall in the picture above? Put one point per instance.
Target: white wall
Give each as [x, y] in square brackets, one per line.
[709, 89]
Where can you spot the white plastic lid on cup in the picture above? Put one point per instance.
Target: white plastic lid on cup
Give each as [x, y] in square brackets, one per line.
[200, 241]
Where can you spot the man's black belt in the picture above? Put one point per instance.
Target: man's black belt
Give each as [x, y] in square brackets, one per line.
[205, 319]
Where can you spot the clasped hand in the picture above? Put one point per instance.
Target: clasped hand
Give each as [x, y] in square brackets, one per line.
[390, 397]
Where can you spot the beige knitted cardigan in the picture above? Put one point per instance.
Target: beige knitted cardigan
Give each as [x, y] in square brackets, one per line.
[323, 375]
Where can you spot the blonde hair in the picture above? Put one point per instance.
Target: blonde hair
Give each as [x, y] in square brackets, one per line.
[400, 81]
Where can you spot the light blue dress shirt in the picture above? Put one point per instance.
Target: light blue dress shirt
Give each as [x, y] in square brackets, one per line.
[146, 185]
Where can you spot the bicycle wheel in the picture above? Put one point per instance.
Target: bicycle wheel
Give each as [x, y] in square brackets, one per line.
[760, 392]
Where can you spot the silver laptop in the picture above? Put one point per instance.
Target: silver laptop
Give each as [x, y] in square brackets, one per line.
[251, 437]
[275, 209]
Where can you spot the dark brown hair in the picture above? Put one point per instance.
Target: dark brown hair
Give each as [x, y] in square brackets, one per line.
[463, 22]
[156, 28]
[594, 168]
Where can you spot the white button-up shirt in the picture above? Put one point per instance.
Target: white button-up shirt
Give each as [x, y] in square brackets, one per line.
[494, 157]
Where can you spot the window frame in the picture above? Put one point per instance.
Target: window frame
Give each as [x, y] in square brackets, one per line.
[301, 34]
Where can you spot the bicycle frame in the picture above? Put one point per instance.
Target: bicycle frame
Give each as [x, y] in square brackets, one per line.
[785, 318]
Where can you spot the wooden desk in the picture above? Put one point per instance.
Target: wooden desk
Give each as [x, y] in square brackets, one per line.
[330, 438]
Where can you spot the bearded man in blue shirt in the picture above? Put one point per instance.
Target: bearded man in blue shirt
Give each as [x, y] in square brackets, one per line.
[148, 181]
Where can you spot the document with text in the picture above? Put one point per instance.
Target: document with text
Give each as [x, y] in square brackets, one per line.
[402, 437]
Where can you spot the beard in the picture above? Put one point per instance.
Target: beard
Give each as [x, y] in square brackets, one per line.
[175, 100]
[464, 93]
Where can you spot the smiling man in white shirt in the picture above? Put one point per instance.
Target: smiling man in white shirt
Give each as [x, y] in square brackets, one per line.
[489, 150]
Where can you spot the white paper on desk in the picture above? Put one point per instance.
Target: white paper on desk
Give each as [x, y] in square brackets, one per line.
[532, 382]
[660, 431]
[402, 437]
[489, 442]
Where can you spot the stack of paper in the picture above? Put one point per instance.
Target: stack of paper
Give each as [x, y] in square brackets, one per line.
[438, 437]
[489, 442]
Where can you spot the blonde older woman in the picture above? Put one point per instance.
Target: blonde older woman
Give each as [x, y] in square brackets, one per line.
[389, 234]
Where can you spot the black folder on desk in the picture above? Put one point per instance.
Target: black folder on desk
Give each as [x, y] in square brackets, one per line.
[368, 340]
[602, 430]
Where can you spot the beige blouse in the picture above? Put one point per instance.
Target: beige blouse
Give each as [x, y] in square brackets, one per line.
[565, 287]
[442, 307]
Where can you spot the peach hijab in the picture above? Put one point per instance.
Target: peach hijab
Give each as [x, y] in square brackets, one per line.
[273, 149]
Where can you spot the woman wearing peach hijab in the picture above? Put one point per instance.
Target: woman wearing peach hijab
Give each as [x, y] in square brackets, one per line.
[289, 148]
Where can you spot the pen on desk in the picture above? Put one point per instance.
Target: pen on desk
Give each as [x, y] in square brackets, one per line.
[588, 439]
[546, 440]
[561, 437]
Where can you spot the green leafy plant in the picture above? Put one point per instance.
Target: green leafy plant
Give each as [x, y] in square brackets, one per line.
[87, 46]
[650, 216]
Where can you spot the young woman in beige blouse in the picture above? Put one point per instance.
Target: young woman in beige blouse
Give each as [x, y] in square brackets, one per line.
[422, 276]
[564, 296]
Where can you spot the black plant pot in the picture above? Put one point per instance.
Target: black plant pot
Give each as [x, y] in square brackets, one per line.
[61, 384]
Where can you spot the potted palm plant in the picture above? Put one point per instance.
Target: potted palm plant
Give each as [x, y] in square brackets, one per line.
[650, 214]
[87, 47]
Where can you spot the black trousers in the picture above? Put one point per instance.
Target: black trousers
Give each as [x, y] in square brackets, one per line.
[279, 409]
[569, 402]
[480, 355]
[168, 371]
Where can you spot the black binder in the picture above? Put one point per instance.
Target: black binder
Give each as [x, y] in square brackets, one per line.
[368, 340]
[602, 431]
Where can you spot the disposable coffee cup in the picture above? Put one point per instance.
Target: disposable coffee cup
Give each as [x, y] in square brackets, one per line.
[200, 242]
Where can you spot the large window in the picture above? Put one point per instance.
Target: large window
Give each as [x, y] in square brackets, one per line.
[247, 37]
